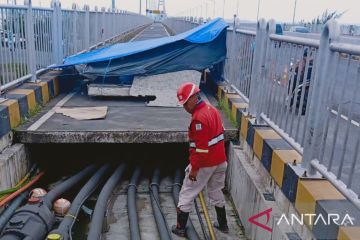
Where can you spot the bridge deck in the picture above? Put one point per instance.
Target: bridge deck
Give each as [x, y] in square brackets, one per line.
[128, 120]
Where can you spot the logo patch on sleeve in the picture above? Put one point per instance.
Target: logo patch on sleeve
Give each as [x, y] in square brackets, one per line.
[198, 126]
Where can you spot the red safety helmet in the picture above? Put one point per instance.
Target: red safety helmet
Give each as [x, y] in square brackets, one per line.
[185, 91]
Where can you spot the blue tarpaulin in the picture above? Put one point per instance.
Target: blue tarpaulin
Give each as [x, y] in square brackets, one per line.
[196, 49]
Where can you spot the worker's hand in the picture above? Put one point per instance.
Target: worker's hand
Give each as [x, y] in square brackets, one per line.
[193, 174]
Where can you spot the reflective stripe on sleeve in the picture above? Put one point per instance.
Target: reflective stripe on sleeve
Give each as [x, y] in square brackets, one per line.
[212, 142]
[202, 150]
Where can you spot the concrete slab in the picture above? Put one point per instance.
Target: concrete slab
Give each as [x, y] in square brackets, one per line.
[163, 87]
[128, 121]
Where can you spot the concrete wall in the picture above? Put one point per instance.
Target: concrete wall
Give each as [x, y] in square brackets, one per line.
[19, 105]
[14, 164]
[264, 166]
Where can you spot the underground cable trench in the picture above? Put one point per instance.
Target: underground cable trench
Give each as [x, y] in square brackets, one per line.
[88, 181]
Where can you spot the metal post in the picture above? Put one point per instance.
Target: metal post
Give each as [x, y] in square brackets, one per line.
[96, 27]
[258, 10]
[294, 13]
[237, 7]
[140, 8]
[87, 27]
[113, 5]
[214, 9]
[259, 52]
[102, 24]
[30, 41]
[74, 35]
[314, 131]
[223, 15]
[57, 49]
[263, 90]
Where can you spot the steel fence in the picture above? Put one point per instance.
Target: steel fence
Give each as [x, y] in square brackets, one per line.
[240, 52]
[307, 90]
[34, 38]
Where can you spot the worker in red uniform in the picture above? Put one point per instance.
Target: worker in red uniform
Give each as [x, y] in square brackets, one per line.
[208, 164]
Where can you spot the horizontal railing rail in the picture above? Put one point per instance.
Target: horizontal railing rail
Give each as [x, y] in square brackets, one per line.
[32, 39]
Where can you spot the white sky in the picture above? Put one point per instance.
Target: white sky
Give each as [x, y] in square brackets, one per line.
[280, 10]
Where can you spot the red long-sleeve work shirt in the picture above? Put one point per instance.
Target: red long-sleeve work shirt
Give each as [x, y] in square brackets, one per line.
[206, 137]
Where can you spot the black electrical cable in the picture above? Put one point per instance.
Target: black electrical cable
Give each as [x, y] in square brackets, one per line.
[160, 219]
[64, 229]
[34, 221]
[101, 203]
[131, 203]
[190, 229]
[9, 211]
[66, 185]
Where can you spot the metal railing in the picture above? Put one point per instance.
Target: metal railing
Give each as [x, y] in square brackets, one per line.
[240, 52]
[307, 90]
[34, 38]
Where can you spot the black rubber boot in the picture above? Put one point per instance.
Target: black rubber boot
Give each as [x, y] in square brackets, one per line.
[222, 222]
[179, 228]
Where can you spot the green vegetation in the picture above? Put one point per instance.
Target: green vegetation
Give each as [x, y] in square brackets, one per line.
[223, 105]
[32, 113]
[35, 111]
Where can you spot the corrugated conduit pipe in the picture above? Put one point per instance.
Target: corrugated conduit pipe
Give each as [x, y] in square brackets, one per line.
[63, 232]
[190, 229]
[160, 220]
[101, 203]
[131, 204]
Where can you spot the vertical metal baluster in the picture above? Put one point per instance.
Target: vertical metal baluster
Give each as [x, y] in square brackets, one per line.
[274, 87]
[307, 115]
[16, 45]
[267, 78]
[350, 116]
[332, 82]
[297, 83]
[338, 116]
[289, 89]
[25, 47]
[283, 50]
[2, 49]
[301, 103]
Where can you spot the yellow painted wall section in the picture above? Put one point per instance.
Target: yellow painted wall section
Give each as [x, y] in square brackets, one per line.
[14, 111]
[220, 92]
[229, 96]
[30, 94]
[56, 86]
[349, 233]
[236, 106]
[309, 191]
[244, 126]
[279, 159]
[259, 136]
[44, 91]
